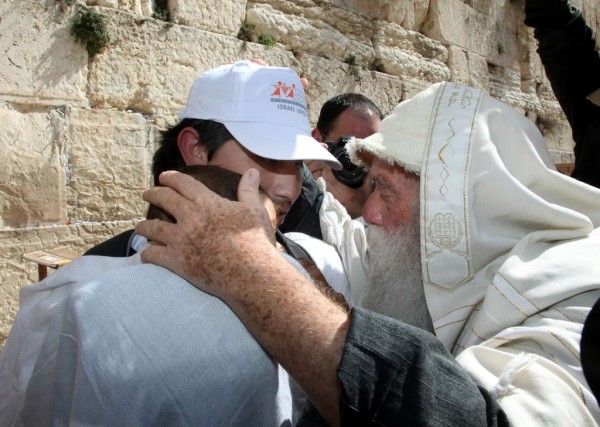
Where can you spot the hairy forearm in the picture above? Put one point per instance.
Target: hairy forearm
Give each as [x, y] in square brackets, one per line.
[295, 323]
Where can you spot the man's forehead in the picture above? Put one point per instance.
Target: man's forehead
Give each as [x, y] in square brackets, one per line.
[393, 175]
[381, 166]
[358, 123]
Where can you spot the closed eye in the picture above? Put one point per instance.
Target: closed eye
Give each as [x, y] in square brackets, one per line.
[385, 191]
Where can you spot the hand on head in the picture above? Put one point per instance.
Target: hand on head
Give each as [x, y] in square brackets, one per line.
[210, 231]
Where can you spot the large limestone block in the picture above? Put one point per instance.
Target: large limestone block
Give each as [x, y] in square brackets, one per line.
[505, 85]
[384, 90]
[140, 7]
[458, 62]
[410, 14]
[323, 30]
[591, 12]
[558, 135]
[218, 16]
[150, 65]
[16, 272]
[478, 71]
[32, 187]
[40, 62]
[107, 152]
[530, 66]
[488, 28]
[329, 78]
[408, 54]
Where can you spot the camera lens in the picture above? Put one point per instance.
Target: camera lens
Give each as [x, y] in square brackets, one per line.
[350, 174]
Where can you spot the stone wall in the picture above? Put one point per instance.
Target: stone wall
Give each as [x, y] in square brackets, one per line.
[78, 132]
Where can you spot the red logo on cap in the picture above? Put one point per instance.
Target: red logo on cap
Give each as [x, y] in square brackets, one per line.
[283, 90]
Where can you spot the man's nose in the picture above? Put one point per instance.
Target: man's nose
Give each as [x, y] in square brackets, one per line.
[288, 187]
[371, 211]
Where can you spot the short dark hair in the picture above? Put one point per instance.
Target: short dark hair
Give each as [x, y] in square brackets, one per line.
[335, 106]
[222, 181]
[210, 133]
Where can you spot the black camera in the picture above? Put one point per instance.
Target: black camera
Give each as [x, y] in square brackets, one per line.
[350, 174]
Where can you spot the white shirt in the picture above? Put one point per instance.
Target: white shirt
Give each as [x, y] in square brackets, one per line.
[111, 341]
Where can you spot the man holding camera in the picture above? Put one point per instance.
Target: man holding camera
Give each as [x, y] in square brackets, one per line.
[341, 117]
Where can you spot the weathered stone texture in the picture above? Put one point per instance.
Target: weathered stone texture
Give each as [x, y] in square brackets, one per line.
[405, 53]
[458, 62]
[410, 14]
[151, 65]
[489, 30]
[139, 7]
[329, 78]
[14, 243]
[73, 175]
[40, 62]
[32, 188]
[331, 33]
[217, 16]
[107, 154]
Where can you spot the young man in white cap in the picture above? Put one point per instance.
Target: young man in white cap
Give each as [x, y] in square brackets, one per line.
[509, 270]
[240, 116]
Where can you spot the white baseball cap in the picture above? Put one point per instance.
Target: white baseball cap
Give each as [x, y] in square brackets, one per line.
[264, 108]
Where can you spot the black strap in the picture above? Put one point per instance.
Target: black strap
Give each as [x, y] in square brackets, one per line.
[120, 246]
[117, 246]
[303, 216]
[291, 247]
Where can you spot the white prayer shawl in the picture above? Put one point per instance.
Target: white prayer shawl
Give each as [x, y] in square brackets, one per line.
[510, 251]
[111, 341]
[350, 238]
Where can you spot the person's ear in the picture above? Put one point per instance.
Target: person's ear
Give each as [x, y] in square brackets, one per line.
[192, 151]
[316, 134]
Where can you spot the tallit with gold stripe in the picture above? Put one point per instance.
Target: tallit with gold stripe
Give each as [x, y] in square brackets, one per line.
[510, 248]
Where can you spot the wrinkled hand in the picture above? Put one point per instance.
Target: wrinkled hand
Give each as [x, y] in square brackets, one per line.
[214, 239]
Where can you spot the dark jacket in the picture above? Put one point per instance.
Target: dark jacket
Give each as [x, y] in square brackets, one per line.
[567, 49]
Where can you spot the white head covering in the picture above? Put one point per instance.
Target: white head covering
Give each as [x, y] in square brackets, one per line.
[495, 214]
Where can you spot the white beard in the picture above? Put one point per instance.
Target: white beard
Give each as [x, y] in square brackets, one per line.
[395, 281]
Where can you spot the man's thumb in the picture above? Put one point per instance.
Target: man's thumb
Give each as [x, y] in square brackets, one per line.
[248, 188]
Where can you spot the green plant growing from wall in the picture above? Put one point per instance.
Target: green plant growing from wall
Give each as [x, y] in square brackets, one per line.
[266, 40]
[500, 48]
[354, 69]
[246, 32]
[377, 65]
[162, 15]
[89, 29]
[161, 11]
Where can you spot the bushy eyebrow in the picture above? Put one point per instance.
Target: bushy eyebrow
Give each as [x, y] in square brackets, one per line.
[379, 182]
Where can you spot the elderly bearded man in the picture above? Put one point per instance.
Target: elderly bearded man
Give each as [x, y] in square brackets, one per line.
[509, 265]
